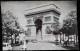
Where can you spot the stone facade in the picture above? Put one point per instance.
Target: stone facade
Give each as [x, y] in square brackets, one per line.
[48, 14]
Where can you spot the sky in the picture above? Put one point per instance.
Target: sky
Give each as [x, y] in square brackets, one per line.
[18, 8]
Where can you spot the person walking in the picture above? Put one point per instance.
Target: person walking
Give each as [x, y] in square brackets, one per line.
[20, 38]
[13, 37]
[24, 45]
[17, 39]
[65, 42]
[12, 40]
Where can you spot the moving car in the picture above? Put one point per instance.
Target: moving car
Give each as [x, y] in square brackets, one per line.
[7, 46]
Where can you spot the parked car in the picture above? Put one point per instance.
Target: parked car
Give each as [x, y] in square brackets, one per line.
[7, 46]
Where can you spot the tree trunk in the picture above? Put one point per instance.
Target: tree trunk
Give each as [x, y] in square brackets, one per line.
[6, 39]
[57, 36]
[63, 36]
[71, 38]
[68, 38]
[15, 38]
[11, 40]
[74, 39]
[60, 37]
[36, 33]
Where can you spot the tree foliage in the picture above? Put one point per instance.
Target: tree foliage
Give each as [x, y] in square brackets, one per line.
[55, 27]
[70, 24]
[9, 23]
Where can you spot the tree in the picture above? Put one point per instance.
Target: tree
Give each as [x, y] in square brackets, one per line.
[70, 24]
[10, 24]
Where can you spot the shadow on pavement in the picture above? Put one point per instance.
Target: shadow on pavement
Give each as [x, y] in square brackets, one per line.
[71, 48]
[67, 47]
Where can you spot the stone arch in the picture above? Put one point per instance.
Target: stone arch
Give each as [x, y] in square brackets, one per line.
[38, 24]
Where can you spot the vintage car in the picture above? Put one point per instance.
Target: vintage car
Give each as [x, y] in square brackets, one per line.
[7, 46]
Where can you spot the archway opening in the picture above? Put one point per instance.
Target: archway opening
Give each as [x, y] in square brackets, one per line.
[38, 24]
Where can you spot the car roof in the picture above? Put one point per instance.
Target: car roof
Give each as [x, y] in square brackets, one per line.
[5, 43]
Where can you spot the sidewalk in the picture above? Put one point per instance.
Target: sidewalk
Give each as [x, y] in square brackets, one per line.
[70, 46]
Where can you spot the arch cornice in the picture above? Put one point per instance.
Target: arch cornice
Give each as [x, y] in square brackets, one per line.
[42, 9]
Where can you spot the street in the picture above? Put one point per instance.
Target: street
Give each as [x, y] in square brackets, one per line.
[40, 46]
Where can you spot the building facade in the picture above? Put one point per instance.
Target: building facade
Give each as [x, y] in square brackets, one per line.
[49, 15]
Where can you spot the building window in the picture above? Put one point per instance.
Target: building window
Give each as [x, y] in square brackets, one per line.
[48, 30]
[55, 19]
[28, 31]
[48, 18]
[29, 21]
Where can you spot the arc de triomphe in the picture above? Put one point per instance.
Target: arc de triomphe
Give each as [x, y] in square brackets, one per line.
[47, 14]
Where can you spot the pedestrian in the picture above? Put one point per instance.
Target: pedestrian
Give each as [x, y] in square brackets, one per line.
[24, 45]
[22, 37]
[12, 39]
[65, 42]
[17, 39]
[62, 42]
